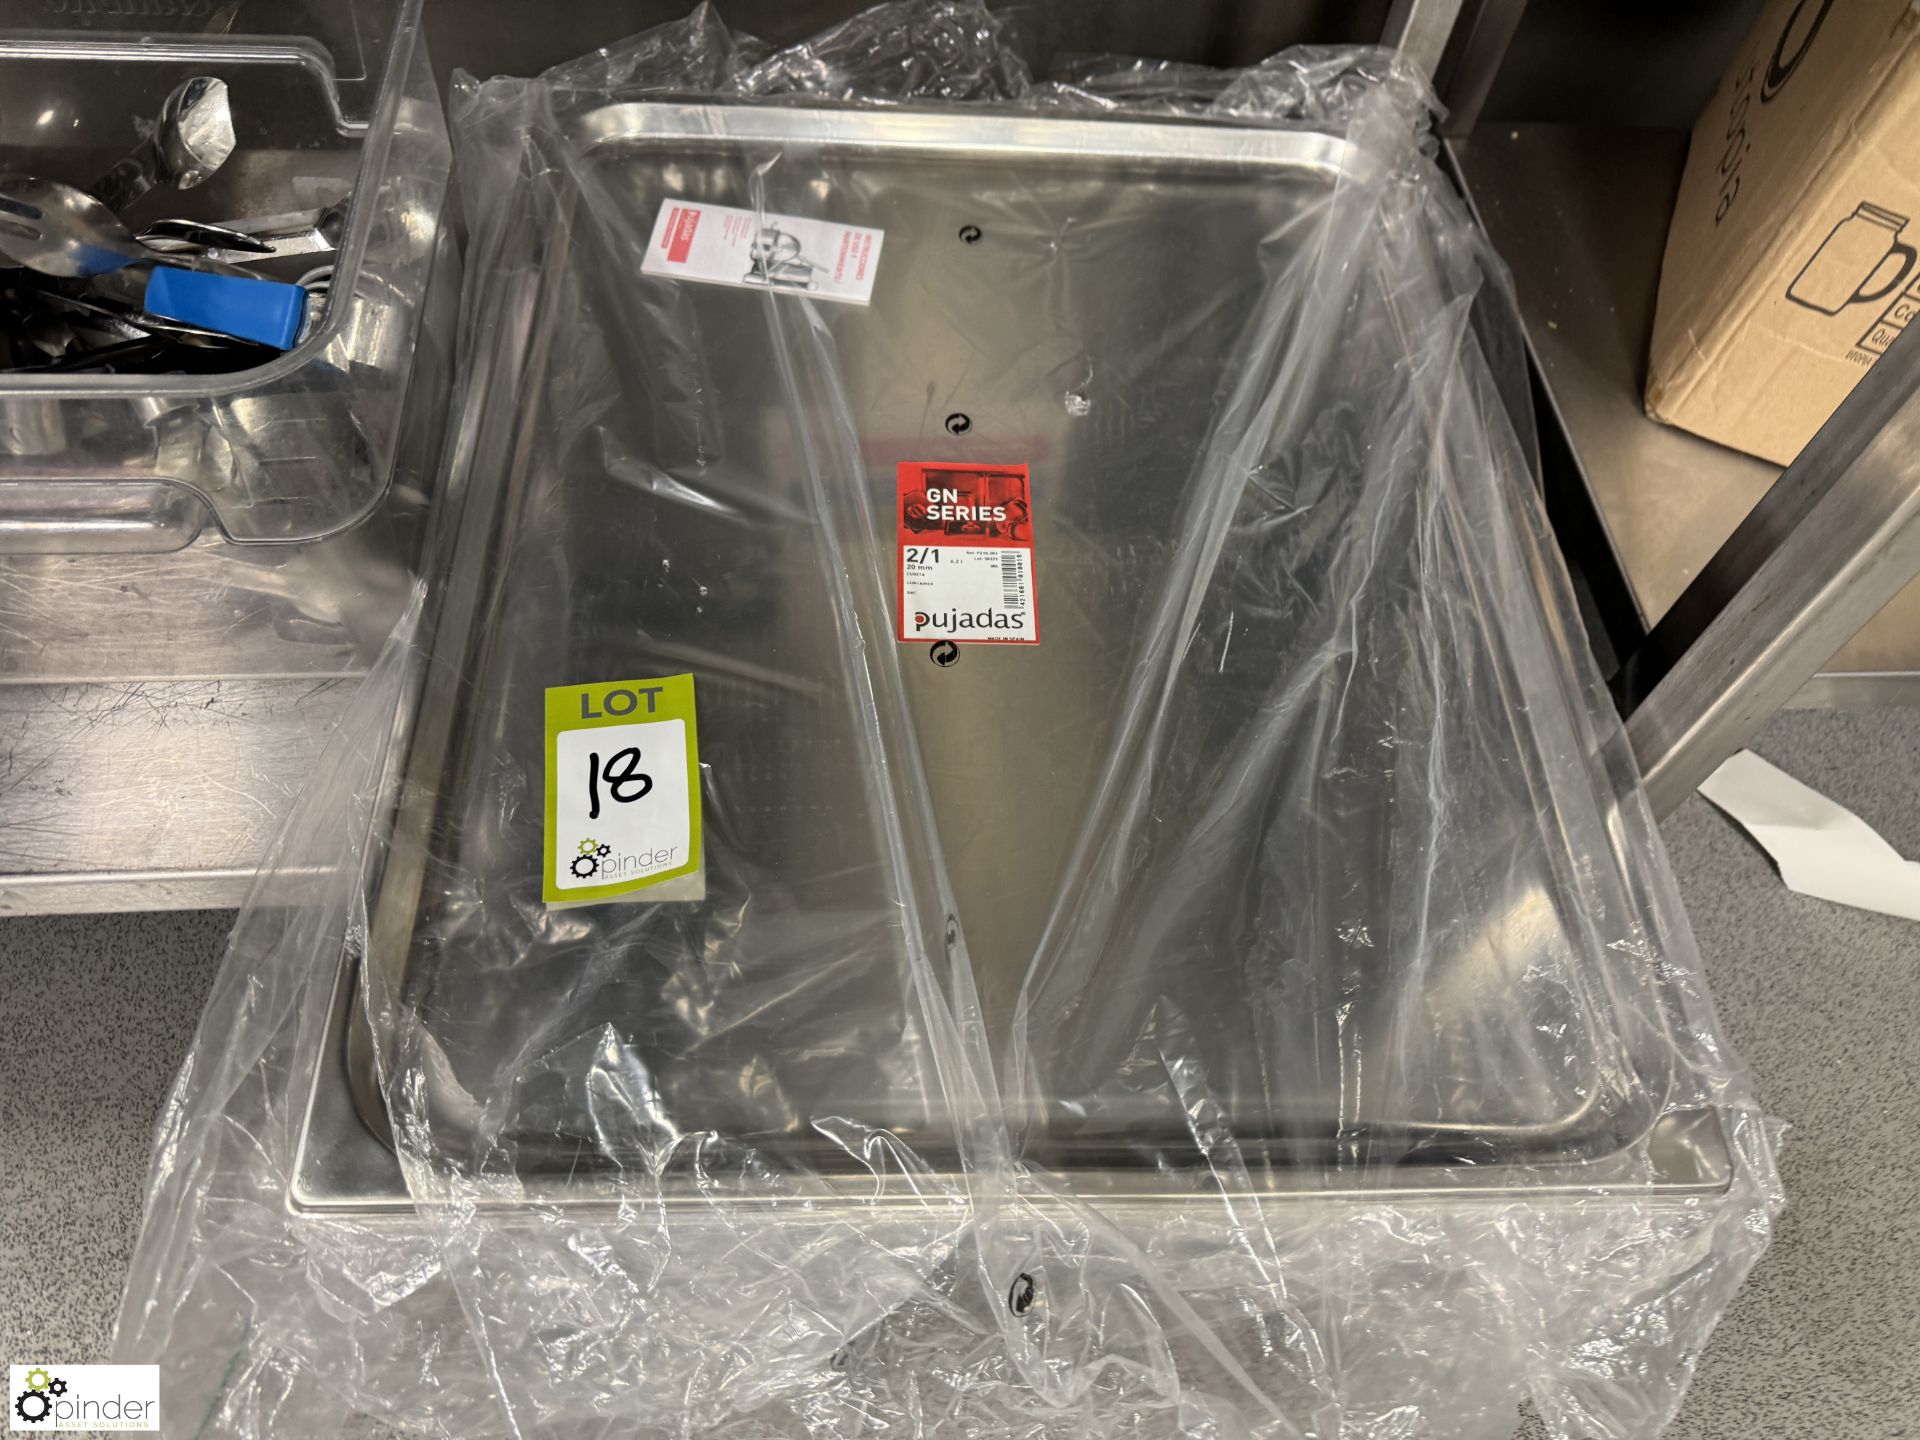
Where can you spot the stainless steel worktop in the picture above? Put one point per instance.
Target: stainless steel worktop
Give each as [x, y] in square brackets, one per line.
[151, 794]
[158, 711]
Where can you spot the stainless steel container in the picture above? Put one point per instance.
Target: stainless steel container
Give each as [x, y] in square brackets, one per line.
[678, 492]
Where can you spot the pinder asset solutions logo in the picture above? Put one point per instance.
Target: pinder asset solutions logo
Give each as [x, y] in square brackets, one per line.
[84, 1397]
[590, 857]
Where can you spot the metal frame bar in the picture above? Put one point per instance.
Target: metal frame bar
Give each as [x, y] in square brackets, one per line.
[1420, 30]
[1459, 45]
[1835, 539]
[1481, 38]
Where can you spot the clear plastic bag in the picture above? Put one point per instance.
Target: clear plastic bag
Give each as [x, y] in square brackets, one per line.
[1261, 1008]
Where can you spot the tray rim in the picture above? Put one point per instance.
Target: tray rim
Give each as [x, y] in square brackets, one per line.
[1005, 136]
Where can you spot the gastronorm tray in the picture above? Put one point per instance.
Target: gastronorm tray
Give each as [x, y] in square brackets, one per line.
[663, 477]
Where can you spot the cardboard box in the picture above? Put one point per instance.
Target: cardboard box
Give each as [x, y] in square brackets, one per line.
[1794, 257]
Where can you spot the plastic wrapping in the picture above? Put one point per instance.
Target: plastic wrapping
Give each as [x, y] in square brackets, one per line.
[1262, 1008]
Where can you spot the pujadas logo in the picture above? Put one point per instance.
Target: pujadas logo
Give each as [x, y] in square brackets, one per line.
[952, 621]
[84, 1397]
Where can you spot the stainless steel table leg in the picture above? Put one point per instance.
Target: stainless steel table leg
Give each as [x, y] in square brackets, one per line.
[1420, 29]
[1483, 32]
[1459, 45]
[1826, 548]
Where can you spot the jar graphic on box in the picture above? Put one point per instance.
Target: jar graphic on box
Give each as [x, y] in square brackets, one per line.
[1843, 271]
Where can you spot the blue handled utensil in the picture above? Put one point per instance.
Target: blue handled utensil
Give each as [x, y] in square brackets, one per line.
[60, 230]
[267, 312]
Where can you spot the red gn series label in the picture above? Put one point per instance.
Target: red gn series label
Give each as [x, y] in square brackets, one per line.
[966, 554]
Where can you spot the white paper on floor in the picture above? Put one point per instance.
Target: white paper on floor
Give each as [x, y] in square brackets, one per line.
[1823, 849]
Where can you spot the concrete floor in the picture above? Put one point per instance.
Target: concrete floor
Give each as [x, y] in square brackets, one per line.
[1822, 1002]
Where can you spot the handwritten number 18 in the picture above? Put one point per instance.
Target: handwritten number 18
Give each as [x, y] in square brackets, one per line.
[619, 776]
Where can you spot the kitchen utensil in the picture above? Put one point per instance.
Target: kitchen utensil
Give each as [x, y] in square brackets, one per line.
[60, 229]
[304, 232]
[287, 452]
[171, 236]
[196, 305]
[266, 312]
[48, 332]
[140, 353]
[300, 233]
[226, 302]
[191, 138]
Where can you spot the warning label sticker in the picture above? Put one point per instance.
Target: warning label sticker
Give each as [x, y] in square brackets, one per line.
[966, 554]
[721, 245]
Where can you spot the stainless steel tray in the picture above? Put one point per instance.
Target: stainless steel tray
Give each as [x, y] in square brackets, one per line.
[1103, 375]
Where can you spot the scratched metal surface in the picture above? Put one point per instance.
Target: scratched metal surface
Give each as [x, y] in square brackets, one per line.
[159, 712]
[213, 610]
[151, 794]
